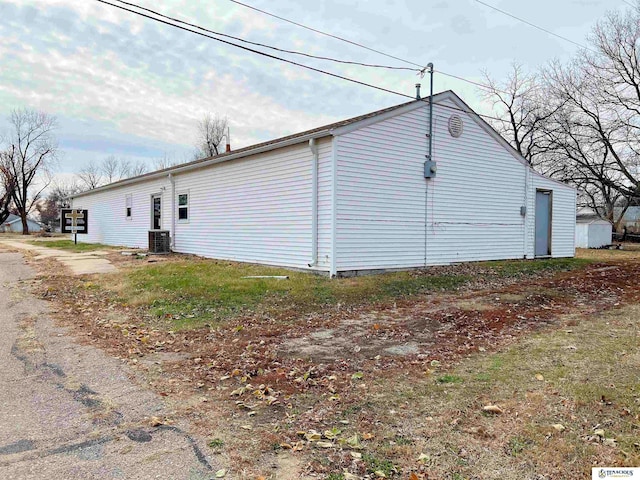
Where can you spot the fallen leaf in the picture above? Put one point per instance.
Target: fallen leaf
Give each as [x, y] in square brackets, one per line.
[380, 473]
[356, 455]
[413, 476]
[424, 458]
[599, 432]
[357, 376]
[492, 409]
[312, 436]
[609, 442]
[539, 377]
[324, 444]
[559, 427]
[221, 473]
[155, 421]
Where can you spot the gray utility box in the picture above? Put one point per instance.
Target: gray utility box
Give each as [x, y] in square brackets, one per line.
[159, 241]
[430, 169]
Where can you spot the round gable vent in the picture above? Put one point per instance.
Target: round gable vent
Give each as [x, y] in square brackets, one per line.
[455, 126]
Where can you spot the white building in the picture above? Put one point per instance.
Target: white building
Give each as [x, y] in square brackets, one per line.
[592, 231]
[350, 197]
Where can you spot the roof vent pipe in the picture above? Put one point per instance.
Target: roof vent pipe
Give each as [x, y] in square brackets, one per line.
[417, 91]
[228, 149]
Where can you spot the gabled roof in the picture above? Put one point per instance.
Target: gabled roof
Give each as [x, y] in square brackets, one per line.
[318, 132]
[336, 128]
[590, 218]
[16, 218]
[11, 218]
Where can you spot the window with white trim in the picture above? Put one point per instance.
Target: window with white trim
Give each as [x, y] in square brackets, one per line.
[129, 204]
[183, 207]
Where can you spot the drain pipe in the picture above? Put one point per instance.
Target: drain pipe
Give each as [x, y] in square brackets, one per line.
[313, 146]
[173, 210]
[429, 165]
[524, 212]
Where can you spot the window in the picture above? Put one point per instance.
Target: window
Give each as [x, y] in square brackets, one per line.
[183, 207]
[128, 207]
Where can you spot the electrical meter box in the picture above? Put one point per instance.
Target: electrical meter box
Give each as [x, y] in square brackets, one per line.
[430, 169]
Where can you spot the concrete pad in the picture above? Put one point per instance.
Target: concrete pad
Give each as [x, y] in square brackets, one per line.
[79, 263]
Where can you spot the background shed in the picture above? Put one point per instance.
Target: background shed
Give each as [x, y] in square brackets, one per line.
[592, 231]
[13, 224]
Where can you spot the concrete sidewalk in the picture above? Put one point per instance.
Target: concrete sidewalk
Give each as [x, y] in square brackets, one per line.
[78, 263]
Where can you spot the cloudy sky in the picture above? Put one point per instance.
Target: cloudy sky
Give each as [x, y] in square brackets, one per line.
[127, 86]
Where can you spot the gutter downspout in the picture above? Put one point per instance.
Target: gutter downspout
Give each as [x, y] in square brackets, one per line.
[429, 159]
[313, 146]
[525, 217]
[173, 210]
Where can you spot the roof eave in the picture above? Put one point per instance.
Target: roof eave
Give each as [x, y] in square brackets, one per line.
[212, 161]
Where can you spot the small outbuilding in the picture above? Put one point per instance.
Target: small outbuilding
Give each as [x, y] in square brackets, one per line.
[13, 224]
[362, 195]
[592, 231]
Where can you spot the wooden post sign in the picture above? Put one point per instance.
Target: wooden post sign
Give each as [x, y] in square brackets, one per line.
[74, 221]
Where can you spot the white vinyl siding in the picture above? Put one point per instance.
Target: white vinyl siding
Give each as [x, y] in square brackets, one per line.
[108, 224]
[254, 209]
[473, 206]
[380, 194]
[324, 202]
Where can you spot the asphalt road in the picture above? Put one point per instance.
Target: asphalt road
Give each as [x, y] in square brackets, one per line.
[69, 411]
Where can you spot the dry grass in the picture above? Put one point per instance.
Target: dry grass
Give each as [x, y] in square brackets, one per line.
[190, 291]
[583, 377]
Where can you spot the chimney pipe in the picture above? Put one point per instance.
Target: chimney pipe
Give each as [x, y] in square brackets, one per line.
[228, 149]
[417, 91]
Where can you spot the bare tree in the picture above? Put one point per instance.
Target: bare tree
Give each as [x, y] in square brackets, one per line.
[523, 111]
[90, 176]
[596, 133]
[29, 155]
[7, 187]
[110, 169]
[114, 169]
[212, 129]
[138, 168]
[166, 161]
[57, 198]
[579, 121]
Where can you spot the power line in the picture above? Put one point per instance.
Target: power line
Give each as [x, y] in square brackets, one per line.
[251, 49]
[630, 4]
[327, 34]
[534, 26]
[408, 62]
[335, 75]
[177, 20]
